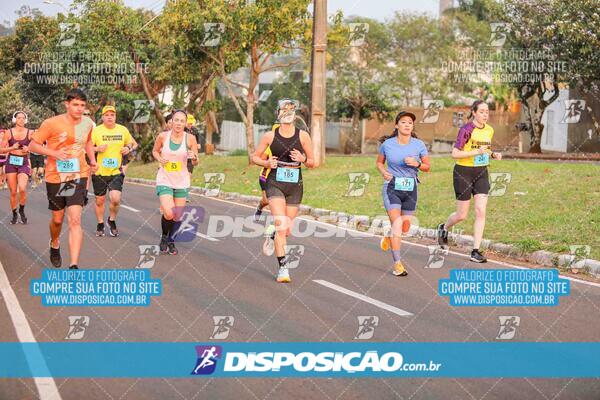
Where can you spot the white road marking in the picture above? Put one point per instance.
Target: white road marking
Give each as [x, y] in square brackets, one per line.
[364, 298]
[129, 208]
[212, 239]
[46, 387]
[367, 234]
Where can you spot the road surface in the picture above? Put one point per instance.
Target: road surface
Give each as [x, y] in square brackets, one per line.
[338, 280]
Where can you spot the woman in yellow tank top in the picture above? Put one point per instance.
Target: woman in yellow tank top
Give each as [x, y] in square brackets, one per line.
[472, 152]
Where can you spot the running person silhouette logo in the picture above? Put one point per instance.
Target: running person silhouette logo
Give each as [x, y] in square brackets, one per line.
[436, 256]
[573, 111]
[366, 326]
[223, 324]
[358, 33]
[142, 110]
[213, 183]
[431, 113]
[68, 34]
[77, 327]
[148, 254]
[293, 254]
[358, 183]
[68, 186]
[508, 327]
[576, 260]
[213, 32]
[499, 182]
[186, 224]
[499, 32]
[207, 359]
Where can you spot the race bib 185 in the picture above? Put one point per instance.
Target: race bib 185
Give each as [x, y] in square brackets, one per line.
[290, 175]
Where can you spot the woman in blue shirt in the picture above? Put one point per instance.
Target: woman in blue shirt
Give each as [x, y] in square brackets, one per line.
[404, 155]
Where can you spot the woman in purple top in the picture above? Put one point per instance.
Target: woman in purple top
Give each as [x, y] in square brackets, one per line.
[3, 134]
[405, 155]
[17, 168]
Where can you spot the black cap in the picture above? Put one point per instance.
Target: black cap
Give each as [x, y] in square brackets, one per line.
[404, 113]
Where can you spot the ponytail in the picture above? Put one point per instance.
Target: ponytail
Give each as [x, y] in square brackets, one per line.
[474, 108]
[386, 137]
[395, 132]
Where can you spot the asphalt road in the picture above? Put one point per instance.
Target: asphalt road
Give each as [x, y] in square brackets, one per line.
[229, 276]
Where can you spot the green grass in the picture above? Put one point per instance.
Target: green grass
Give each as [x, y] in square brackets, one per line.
[561, 206]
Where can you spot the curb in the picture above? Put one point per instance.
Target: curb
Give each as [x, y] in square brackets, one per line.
[594, 157]
[379, 225]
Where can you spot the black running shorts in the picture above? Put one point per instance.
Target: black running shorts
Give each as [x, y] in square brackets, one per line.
[469, 181]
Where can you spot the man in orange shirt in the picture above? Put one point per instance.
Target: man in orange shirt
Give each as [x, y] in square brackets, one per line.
[68, 140]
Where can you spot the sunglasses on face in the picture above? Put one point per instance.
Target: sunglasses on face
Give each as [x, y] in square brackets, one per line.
[281, 104]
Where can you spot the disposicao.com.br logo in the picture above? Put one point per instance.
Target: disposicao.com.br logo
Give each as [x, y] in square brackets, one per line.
[328, 363]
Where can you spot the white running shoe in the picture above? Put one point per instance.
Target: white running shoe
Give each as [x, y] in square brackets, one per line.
[283, 276]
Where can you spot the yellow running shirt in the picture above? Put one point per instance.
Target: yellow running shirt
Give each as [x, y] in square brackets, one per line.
[109, 161]
[470, 138]
[264, 173]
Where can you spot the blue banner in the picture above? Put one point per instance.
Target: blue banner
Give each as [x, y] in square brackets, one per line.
[504, 287]
[95, 287]
[335, 360]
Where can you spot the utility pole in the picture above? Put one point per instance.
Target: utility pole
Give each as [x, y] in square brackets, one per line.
[318, 80]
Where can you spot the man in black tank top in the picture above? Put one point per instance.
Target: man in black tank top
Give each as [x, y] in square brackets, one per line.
[290, 148]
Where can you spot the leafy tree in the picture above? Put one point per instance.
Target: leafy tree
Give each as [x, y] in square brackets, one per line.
[567, 31]
[32, 36]
[419, 42]
[179, 33]
[576, 33]
[258, 33]
[293, 87]
[359, 67]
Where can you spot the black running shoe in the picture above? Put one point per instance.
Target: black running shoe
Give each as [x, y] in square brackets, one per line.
[73, 267]
[477, 257]
[55, 258]
[14, 218]
[163, 245]
[442, 234]
[257, 213]
[172, 249]
[22, 215]
[100, 229]
[112, 228]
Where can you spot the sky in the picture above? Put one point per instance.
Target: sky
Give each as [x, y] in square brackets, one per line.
[377, 9]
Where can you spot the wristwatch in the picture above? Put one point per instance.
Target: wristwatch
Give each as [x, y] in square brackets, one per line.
[419, 166]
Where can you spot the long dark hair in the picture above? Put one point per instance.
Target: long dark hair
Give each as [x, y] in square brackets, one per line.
[474, 108]
[395, 132]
